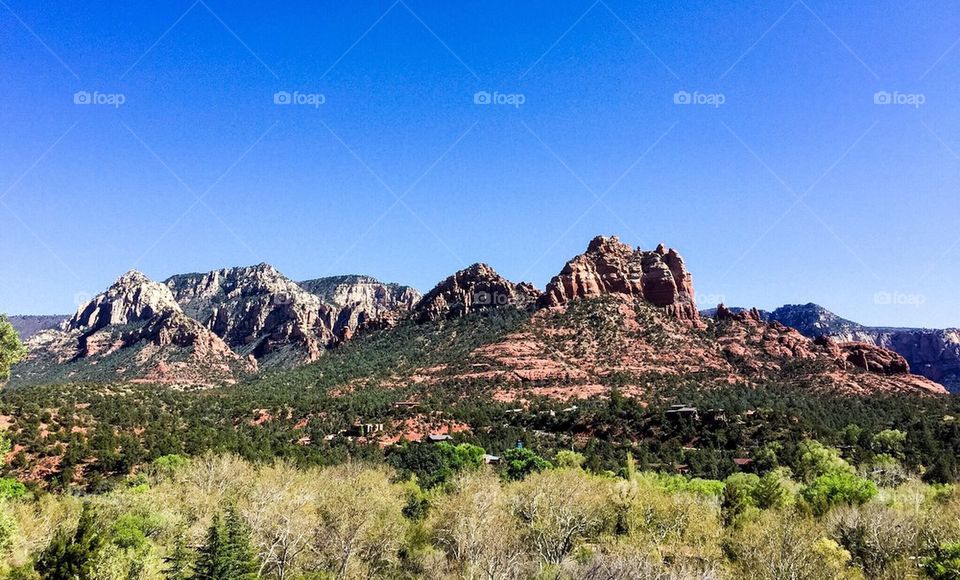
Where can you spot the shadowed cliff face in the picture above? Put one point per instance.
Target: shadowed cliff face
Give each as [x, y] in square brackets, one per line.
[364, 303]
[258, 311]
[135, 330]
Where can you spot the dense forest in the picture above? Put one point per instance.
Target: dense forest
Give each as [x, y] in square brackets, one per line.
[279, 477]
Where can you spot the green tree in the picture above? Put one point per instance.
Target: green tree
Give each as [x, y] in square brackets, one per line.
[226, 554]
[521, 462]
[70, 555]
[837, 488]
[944, 564]
[890, 442]
[570, 459]
[178, 562]
[213, 561]
[771, 492]
[11, 349]
[436, 463]
[817, 459]
[242, 557]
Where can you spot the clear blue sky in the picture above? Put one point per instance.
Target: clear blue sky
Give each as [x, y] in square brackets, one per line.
[89, 191]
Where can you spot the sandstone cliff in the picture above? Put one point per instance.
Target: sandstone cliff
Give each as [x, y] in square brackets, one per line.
[258, 311]
[611, 267]
[134, 330]
[933, 353]
[476, 288]
[363, 302]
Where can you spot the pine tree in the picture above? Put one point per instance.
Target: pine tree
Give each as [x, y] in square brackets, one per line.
[243, 561]
[213, 563]
[227, 553]
[69, 556]
[178, 561]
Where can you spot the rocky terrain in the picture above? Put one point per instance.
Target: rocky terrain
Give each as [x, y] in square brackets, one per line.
[258, 311]
[478, 287]
[611, 267]
[933, 353]
[134, 331]
[614, 316]
[208, 328]
[363, 302]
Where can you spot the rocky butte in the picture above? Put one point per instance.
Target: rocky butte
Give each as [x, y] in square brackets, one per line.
[612, 267]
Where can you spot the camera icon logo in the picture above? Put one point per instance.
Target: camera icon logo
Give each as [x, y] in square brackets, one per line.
[682, 98]
[882, 98]
[281, 98]
[81, 98]
[883, 298]
[482, 98]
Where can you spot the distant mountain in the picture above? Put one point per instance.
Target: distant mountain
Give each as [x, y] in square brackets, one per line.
[253, 316]
[933, 353]
[470, 290]
[613, 317]
[712, 312]
[27, 325]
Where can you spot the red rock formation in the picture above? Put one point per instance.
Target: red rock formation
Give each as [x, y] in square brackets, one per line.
[865, 356]
[475, 288]
[611, 267]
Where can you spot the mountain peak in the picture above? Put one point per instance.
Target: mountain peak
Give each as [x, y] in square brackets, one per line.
[611, 267]
[476, 287]
[132, 298]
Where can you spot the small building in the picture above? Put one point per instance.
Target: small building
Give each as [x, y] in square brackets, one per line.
[677, 411]
[436, 438]
[491, 459]
[361, 429]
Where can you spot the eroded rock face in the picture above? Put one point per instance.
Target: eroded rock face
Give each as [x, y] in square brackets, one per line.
[865, 356]
[362, 302]
[611, 267]
[756, 345]
[476, 288]
[132, 298]
[258, 311]
[127, 333]
[933, 353]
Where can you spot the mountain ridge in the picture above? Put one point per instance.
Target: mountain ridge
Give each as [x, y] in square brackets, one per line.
[246, 319]
[930, 352]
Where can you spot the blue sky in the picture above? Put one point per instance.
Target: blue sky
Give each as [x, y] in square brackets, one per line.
[798, 187]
